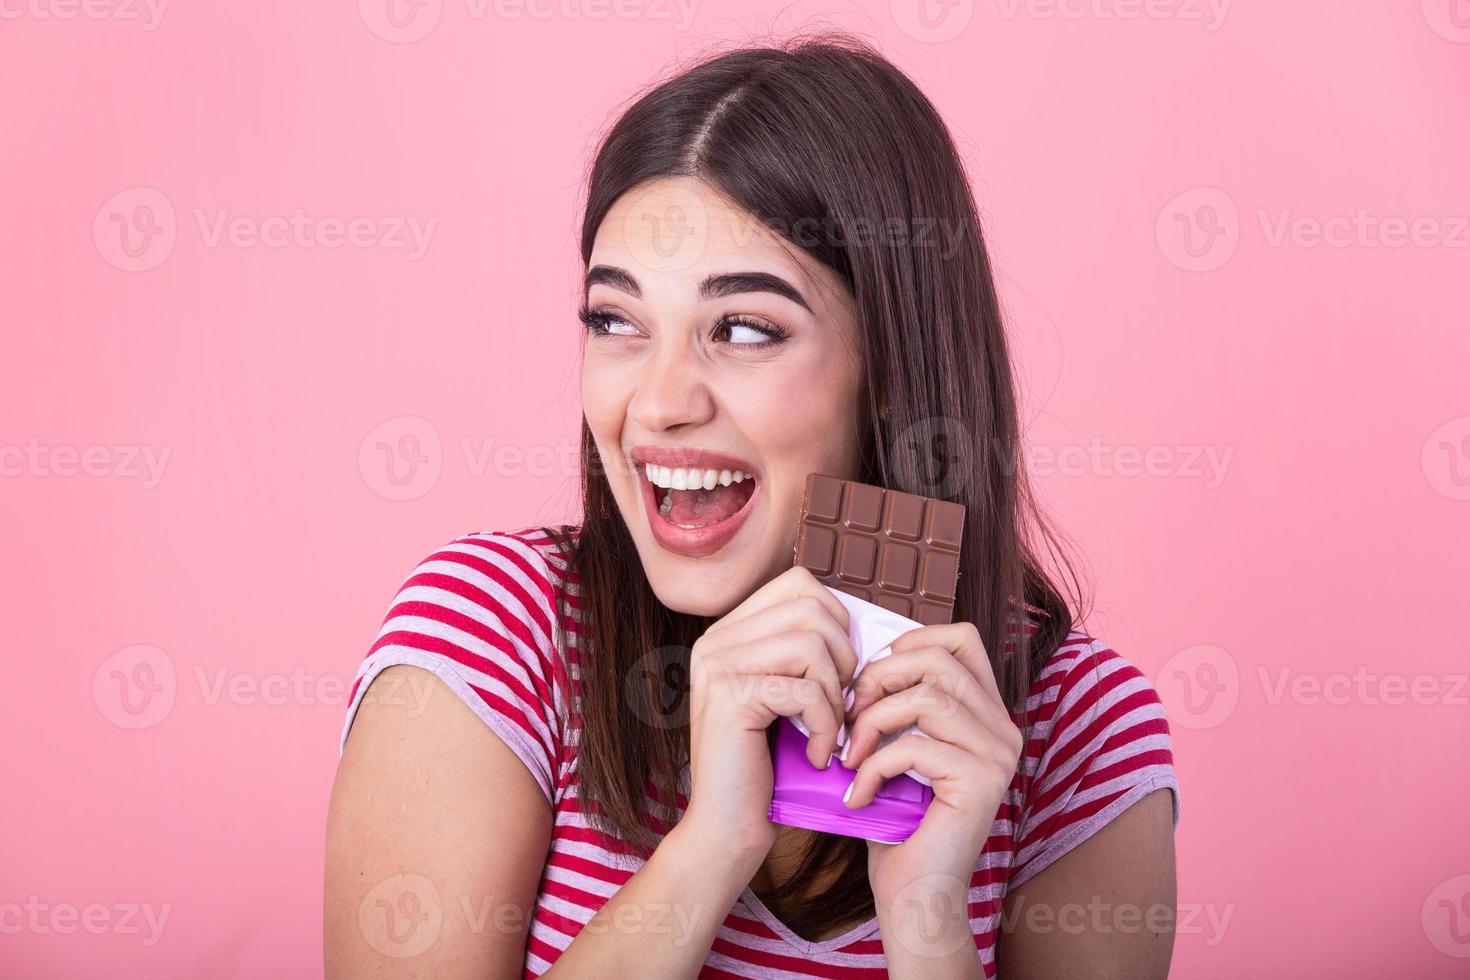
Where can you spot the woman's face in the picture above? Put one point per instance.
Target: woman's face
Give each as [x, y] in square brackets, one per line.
[714, 346]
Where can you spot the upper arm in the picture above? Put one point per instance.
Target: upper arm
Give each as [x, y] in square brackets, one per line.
[1091, 891]
[1104, 909]
[437, 834]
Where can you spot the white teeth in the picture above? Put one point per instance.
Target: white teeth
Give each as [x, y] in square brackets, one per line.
[670, 478]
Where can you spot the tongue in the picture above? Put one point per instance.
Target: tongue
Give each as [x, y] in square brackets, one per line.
[701, 507]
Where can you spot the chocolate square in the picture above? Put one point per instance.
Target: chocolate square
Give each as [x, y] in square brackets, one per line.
[895, 549]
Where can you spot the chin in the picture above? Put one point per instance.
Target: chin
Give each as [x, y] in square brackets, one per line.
[710, 590]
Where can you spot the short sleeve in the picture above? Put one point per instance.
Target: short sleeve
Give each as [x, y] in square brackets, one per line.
[1106, 746]
[478, 613]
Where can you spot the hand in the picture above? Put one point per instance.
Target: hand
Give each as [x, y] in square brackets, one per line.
[939, 678]
[783, 652]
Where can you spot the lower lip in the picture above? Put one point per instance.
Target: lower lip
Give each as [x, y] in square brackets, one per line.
[698, 542]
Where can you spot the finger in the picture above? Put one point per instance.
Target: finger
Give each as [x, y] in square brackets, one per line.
[931, 664]
[804, 612]
[936, 714]
[963, 642]
[797, 655]
[790, 697]
[795, 581]
[939, 762]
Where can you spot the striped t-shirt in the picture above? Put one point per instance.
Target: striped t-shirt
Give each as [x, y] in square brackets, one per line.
[479, 614]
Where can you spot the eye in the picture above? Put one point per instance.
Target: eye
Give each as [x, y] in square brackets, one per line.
[603, 323]
[750, 333]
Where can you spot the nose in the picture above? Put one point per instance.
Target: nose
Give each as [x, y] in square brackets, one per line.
[671, 392]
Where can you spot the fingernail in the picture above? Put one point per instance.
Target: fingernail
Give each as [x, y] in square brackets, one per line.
[848, 795]
[843, 756]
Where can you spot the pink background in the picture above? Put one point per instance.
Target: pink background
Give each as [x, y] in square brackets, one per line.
[1324, 821]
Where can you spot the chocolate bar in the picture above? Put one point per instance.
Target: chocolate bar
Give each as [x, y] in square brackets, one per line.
[894, 549]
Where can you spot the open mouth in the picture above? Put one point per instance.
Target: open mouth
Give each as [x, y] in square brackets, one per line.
[691, 498]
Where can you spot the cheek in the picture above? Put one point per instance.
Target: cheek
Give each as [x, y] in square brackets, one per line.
[605, 398]
[603, 402]
[807, 419]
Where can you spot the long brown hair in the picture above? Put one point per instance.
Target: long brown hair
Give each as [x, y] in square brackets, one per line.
[825, 141]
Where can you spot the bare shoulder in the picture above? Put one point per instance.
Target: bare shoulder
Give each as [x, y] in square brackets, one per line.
[436, 836]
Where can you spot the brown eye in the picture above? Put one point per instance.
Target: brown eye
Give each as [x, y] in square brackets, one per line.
[749, 333]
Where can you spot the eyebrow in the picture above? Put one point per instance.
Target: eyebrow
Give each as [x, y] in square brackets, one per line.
[713, 287]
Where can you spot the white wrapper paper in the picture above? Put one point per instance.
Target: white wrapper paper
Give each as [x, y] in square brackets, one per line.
[872, 630]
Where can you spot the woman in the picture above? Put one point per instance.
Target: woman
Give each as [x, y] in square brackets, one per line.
[558, 762]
